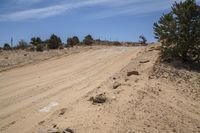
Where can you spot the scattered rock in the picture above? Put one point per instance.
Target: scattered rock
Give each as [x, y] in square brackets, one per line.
[116, 85]
[68, 130]
[101, 98]
[12, 122]
[54, 125]
[144, 61]
[62, 111]
[132, 73]
[41, 122]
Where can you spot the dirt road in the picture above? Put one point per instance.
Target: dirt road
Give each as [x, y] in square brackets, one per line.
[53, 96]
[30, 94]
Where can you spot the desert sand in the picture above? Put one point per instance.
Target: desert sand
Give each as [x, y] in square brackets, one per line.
[142, 95]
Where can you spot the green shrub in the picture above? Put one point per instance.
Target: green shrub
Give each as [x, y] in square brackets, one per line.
[22, 45]
[35, 41]
[76, 40]
[40, 47]
[88, 40]
[179, 31]
[6, 46]
[54, 42]
[116, 43]
[72, 41]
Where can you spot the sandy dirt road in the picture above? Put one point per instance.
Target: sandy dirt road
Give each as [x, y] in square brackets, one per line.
[32, 93]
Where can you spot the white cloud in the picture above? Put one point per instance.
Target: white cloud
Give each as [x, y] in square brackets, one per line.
[112, 8]
[47, 11]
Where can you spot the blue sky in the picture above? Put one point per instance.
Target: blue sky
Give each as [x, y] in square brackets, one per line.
[122, 20]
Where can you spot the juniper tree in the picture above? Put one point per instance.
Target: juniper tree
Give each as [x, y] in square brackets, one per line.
[54, 42]
[179, 31]
[6, 46]
[88, 40]
[72, 41]
[36, 40]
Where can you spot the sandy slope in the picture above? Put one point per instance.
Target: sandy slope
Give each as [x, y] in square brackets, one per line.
[54, 95]
[26, 90]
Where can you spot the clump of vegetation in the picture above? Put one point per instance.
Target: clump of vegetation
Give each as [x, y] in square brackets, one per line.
[179, 32]
[88, 40]
[6, 47]
[22, 45]
[73, 41]
[36, 40]
[40, 47]
[143, 40]
[116, 43]
[54, 42]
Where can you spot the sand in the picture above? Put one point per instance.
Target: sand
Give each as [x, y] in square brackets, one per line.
[52, 95]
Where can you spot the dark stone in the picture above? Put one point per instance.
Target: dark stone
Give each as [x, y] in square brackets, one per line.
[132, 73]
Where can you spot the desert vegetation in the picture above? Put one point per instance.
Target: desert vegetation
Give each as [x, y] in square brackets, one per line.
[101, 86]
[179, 32]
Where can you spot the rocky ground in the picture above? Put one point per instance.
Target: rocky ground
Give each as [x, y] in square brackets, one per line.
[109, 90]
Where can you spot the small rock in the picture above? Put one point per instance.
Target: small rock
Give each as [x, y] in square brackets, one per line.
[41, 122]
[144, 61]
[62, 111]
[13, 122]
[6, 57]
[25, 54]
[101, 98]
[54, 125]
[114, 78]
[68, 130]
[132, 73]
[116, 85]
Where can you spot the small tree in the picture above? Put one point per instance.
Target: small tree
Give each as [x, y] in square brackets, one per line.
[54, 42]
[76, 40]
[179, 31]
[72, 41]
[22, 45]
[36, 40]
[88, 40]
[143, 39]
[6, 46]
[40, 47]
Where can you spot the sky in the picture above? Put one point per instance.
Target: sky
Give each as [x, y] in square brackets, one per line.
[116, 20]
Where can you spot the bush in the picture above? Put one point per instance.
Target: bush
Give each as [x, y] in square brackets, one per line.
[88, 40]
[72, 41]
[35, 41]
[22, 45]
[54, 42]
[179, 31]
[6, 46]
[143, 39]
[40, 47]
[76, 40]
[116, 43]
